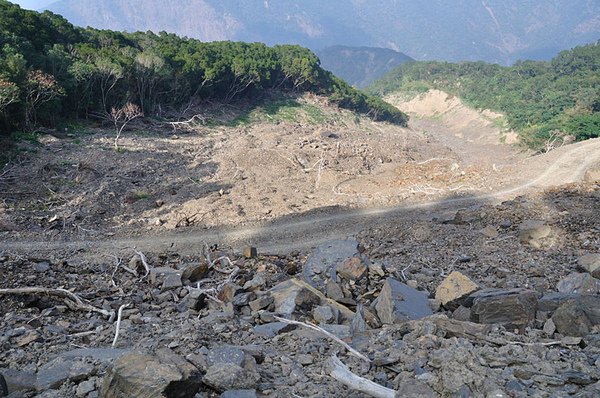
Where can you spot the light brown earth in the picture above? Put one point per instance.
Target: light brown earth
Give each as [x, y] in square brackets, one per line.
[287, 181]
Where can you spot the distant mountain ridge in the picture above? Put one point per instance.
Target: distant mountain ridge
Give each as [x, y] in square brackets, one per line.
[492, 30]
[360, 66]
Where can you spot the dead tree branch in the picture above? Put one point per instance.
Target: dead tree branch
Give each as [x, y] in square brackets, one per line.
[72, 300]
[333, 337]
[341, 373]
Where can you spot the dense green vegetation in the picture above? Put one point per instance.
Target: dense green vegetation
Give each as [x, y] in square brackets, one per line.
[541, 100]
[51, 71]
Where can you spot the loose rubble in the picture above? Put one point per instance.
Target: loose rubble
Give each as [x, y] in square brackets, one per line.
[491, 305]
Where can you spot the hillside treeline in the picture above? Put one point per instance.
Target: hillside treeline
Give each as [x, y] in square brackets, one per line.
[541, 100]
[51, 70]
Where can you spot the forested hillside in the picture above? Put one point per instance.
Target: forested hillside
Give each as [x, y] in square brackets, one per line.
[541, 100]
[51, 70]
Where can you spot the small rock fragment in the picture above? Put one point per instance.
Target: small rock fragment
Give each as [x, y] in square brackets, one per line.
[250, 252]
[581, 283]
[590, 263]
[455, 287]
[352, 269]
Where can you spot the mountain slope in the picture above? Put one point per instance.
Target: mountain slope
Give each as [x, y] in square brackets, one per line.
[492, 30]
[360, 66]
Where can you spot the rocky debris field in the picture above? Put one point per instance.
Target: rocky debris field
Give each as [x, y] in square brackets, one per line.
[489, 301]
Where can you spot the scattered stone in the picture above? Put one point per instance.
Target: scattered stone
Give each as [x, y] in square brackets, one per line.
[224, 377]
[295, 294]
[580, 283]
[19, 380]
[244, 299]
[41, 267]
[490, 232]
[532, 231]
[193, 272]
[85, 387]
[333, 290]
[28, 338]
[171, 282]
[256, 283]
[262, 302]
[324, 314]
[551, 301]
[322, 263]
[270, 330]
[250, 252]
[577, 316]
[590, 263]
[239, 394]
[398, 302]
[141, 374]
[54, 373]
[352, 269]
[159, 274]
[462, 314]
[514, 307]
[455, 287]
[226, 354]
[549, 327]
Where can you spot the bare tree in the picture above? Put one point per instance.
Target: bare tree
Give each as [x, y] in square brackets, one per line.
[120, 117]
[39, 89]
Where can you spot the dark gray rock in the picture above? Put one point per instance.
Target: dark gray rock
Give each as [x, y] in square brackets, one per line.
[54, 373]
[18, 381]
[398, 302]
[270, 330]
[42, 266]
[551, 301]
[580, 283]
[333, 290]
[577, 316]
[243, 299]
[512, 307]
[225, 377]
[322, 263]
[324, 314]
[239, 394]
[141, 374]
[261, 303]
[226, 354]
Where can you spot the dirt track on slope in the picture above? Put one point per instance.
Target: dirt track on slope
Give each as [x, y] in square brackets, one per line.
[492, 172]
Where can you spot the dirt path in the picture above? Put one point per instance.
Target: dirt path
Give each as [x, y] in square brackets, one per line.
[565, 165]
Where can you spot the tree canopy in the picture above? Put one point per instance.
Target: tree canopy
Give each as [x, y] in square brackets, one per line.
[50, 69]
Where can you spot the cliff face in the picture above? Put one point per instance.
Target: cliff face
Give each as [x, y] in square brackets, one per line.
[492, 30]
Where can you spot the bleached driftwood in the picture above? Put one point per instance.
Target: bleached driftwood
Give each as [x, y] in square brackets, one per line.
[341, 373]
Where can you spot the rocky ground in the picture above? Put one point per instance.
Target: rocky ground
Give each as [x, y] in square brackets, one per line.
[492, 301]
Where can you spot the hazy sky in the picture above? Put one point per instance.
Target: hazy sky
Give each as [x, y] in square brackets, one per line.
[33, 4]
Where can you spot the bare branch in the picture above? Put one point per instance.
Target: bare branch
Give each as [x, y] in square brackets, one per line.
[341, 373]
[326, 333]
[72, 300]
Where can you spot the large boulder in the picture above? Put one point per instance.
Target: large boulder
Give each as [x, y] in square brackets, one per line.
[399, 302]
[579, 283]
[141, 374]
[577, 316]
[512, 307]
